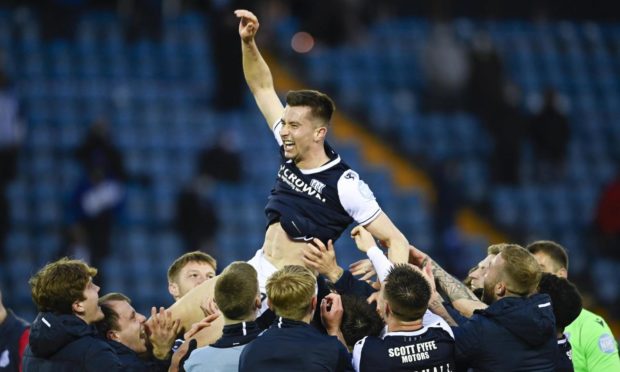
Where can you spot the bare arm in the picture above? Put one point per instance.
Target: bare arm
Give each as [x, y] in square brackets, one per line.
[383, 229]
[256, 71]
[188, 310]
[462, 298]
[436, 306]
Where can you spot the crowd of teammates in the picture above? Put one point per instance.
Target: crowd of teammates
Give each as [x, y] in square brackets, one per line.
[293, 307]
[415, 317]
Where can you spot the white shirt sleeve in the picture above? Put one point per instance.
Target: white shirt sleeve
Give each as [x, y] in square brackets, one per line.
[381, 263]
[357, 354]
[431, 319]
[357, 198]
[276, 131]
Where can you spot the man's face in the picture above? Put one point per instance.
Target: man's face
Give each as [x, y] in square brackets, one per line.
[297, 132]
[477, 276]
[190, 276]
[131, 326]
[491, 279]
[92, 311]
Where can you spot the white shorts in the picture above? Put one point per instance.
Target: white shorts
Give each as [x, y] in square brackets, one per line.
[264, 269]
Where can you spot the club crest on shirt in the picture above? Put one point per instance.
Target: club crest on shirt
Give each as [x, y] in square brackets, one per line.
[317, 185]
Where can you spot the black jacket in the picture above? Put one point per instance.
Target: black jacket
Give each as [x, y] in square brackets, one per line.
[11, 332]
[132, 362]
[290, 345]
[513, 334]
[66, 343]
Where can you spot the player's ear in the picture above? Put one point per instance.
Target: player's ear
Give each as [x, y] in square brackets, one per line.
[257, 302]
[320, 133]
[500, 289]
[562, 273]
[111, 335]
[173, 289]
[386, 309]
[314, 302]
[77, 307]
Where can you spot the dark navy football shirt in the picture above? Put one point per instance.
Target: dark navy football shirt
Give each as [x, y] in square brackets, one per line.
[430, 348]
[565, 357]
[321, 202]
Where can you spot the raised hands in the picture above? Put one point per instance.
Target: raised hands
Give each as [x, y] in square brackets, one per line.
[331, 313]
[363, 239]
[248, 26]
[197, 327]
[364, 268]
[318, 257]
[209, 307]
[162, 331]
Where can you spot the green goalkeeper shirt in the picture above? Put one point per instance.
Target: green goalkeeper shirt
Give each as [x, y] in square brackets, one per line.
[594, 346]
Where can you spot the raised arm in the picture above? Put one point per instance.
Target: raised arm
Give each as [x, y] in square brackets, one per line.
[383, 229]
[255, 69]
[461, 297]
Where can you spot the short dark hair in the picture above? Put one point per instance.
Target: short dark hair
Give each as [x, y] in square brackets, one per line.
[555, 251]
[320, 104]
[195, 256]
[407, 292]
[110, 316]
[360, 319]
[59, 284]
[565, 299]
[236, 290]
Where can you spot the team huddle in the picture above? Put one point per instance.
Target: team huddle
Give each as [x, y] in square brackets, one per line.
[291, 307]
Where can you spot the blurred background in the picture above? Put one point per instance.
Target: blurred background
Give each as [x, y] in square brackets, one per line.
[128, 136]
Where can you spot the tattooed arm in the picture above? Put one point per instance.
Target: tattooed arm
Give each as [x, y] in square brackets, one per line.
[457, 293]
[436, 306]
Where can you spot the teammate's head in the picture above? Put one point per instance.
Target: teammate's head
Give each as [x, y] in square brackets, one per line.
[405, 294]
[476, 275]
[565, 299]
[551, 256]
[321, 106]
[359, 320]
[305, 120]
[236, 292]
[189, 271]
[66, 287]
[291, 292]
[122, 323]
[475, 278]
[513, 272]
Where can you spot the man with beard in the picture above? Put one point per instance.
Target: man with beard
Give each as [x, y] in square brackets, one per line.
[514, 329]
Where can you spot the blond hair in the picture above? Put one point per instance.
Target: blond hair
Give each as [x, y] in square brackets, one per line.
[290, 291]
[496, 249]
[521, 271]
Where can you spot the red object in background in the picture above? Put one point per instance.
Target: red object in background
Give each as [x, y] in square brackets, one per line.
[23, 342]
[608, 211]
